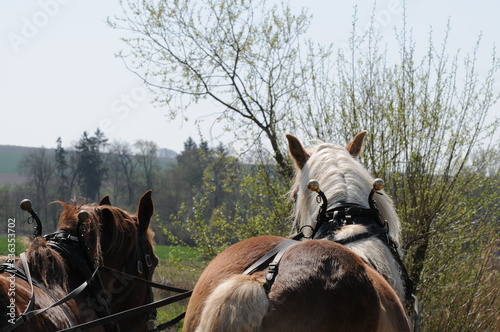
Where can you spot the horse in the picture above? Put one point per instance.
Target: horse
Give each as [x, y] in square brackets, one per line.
[341, 277]
[88, 236]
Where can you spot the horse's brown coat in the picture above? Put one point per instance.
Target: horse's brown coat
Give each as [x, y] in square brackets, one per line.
[320, 286]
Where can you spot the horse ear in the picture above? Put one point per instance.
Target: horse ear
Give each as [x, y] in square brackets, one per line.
[296, 151]
[105, 201]
[355, 147]
[107, 226]
[145, 211]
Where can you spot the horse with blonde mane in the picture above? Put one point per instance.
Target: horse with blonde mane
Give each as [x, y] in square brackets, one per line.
[54, 266]
[341, 276]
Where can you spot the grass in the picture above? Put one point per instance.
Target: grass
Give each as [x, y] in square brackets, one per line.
[9, 161]
[179, 267]
[4, 246]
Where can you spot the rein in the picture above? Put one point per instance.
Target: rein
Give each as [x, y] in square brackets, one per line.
[143, 308]
[30, 313]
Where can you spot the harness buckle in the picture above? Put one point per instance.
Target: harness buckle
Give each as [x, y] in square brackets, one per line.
[271, 271]
[139, 267]
[149, 263]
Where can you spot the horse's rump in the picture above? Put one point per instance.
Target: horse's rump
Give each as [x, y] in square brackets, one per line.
[320, 286]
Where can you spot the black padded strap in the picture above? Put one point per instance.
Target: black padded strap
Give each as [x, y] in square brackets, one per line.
[282, 246]
[273, 266]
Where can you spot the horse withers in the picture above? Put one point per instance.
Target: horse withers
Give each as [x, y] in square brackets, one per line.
[88, 236]
[317, 284]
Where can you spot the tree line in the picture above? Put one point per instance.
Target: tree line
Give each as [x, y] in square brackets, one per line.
[199, 178]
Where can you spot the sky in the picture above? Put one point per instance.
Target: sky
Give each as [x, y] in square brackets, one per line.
[59, 75]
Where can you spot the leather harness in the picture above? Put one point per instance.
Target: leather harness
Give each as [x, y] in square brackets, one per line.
[76, 254]
[332, 220]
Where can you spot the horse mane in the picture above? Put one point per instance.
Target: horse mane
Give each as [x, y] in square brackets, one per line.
[46, 264]
[343, 179]
[111, 233]
[119, 230]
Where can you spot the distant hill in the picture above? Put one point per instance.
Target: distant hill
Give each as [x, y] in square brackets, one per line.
[11, 155]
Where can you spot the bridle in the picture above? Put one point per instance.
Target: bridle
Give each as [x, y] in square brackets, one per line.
[330, 220]
[76, 252]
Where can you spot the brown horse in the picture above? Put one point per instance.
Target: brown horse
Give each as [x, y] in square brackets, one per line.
[60, 262]
[315, 284]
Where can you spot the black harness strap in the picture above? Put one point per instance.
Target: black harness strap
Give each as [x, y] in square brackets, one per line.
[282, 246]
[31, 304]
[170, 323]
[135, 311]
[273, 266]
[30, 313]
[75, 252]
[276, 253]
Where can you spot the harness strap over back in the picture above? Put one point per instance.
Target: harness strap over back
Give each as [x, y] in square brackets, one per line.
[276, 253]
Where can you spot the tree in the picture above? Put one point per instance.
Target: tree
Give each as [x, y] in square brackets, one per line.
[91, 167]
[146, 159]
[124, 165]
[427, 116]
[65, 175]
[39, 167]
[247, 57]
[222, 200]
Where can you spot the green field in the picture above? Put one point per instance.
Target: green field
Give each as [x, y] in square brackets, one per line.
[179, 267]
[4, 246]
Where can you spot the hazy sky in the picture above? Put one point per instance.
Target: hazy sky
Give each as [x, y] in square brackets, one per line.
[59, 76]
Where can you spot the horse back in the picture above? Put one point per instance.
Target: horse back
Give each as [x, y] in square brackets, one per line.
[320, 286]
[14, 301]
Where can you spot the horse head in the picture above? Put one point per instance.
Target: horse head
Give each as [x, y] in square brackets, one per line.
[119, 241]
[345, 182]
